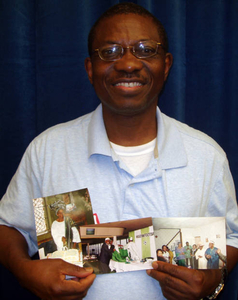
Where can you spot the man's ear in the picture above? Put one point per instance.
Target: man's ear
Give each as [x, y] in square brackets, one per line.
[89, 69]
[168, 64]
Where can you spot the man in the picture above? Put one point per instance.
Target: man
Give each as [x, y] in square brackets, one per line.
[194, 260]
[180, 255]
[64, 232]
[212, 256]
[200, 256]
[132, 250]
[105, 255]
[171, 166]
[188, 252]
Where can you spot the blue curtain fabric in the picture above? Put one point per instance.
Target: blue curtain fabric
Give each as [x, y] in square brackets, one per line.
[43, 44]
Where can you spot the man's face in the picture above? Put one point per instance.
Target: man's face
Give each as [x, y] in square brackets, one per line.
[211, 245]
[129, 85]
[60, 215]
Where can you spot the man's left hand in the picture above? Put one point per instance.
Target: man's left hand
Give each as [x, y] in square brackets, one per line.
[182, 283]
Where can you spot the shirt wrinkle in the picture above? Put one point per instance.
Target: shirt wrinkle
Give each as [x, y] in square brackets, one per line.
[98, 142]
[171, 151]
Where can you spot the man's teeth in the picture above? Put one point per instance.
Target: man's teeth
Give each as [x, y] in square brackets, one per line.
[128, 84]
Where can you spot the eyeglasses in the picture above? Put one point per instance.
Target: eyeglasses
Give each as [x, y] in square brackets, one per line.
[142, 49]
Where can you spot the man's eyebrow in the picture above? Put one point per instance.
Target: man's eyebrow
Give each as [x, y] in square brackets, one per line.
[111, 42]
[107, 42]
[116, 42]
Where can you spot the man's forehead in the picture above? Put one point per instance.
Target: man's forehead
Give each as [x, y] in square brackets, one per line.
[120, 19]
[130, 26]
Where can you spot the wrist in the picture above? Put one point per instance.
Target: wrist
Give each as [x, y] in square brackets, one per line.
[21, 269]
[220, 286]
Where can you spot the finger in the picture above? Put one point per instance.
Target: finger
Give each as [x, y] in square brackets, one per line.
[83, 279]
[82, 272]
[73, 270]
[80, 285]
[168, 281]
[173, 294]
[179, 272]
[174, 288]
[178, 280]
[75, 289]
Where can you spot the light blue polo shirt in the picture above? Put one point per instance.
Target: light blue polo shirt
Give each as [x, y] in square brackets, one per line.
[188, 176]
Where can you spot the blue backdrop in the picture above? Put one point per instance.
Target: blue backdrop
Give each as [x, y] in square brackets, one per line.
[43, 44]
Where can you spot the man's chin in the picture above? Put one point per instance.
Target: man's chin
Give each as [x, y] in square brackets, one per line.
[126, 110]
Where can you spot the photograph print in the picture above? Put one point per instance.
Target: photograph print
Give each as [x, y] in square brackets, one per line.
[119, 246]
[196, 243]
[58, 219]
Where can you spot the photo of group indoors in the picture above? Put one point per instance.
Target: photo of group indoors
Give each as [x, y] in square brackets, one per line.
[58, 219]
[196, 243]
[119, 246]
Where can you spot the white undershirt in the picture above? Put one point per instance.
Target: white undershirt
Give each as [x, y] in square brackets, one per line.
[135, 158]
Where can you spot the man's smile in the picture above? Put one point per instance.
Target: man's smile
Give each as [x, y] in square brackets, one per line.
[127, 87]
[128, 84]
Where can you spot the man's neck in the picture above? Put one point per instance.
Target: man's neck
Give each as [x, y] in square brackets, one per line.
[131, 130]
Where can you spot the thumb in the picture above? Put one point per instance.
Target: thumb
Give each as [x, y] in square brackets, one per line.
[73, 270]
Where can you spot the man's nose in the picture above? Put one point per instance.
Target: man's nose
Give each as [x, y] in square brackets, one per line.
[128, 63]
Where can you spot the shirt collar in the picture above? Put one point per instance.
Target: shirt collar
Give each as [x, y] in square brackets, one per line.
[171, 151]
[98, 142]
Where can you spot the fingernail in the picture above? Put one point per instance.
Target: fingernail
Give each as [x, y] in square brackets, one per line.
[88, 269]
[148, 272]
[155, 265]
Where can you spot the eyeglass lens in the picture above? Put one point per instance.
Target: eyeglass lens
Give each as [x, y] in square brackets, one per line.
[142, 49]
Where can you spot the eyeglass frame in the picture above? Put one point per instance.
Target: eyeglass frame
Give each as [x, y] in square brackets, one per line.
[158, 44]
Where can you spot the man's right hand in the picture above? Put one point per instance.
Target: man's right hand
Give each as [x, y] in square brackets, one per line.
[47, 279]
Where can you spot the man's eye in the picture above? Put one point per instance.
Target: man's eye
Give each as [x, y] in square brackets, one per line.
[147, 50]
[107, 52]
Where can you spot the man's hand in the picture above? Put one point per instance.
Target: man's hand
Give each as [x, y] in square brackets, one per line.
[182, 283]
[46, 279]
